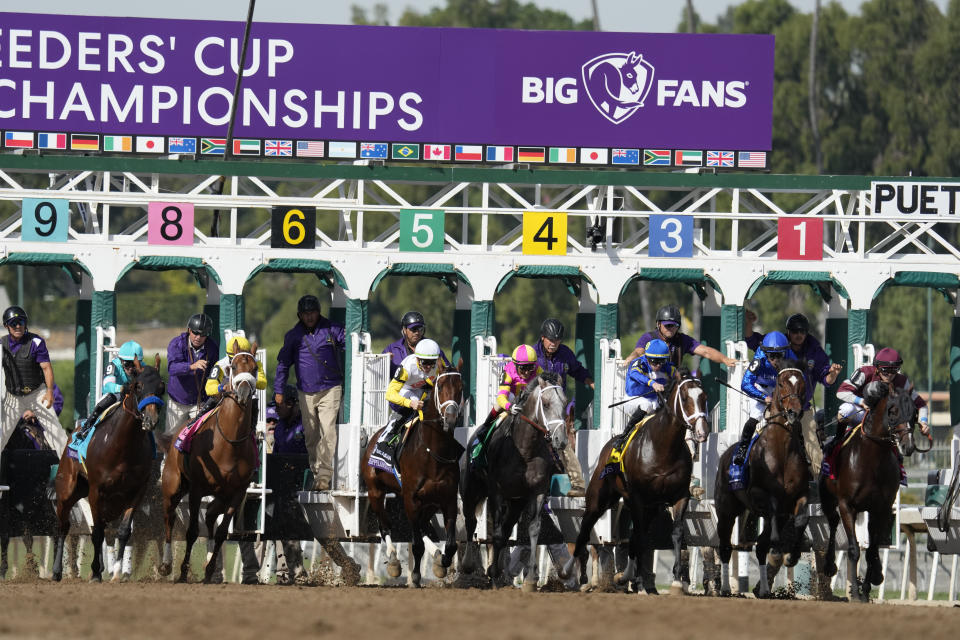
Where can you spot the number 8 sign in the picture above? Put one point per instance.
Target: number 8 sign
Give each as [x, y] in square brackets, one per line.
[671, 236]
[170, 223]
[799, 238]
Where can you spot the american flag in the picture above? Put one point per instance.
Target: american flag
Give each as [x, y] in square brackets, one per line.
[310, 148]
[719, 158]
[278, 148]
[752, 159]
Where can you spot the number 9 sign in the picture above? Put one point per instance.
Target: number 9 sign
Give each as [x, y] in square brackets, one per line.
[293, 228]
[44, 220]
[170, 223]
[671, 236]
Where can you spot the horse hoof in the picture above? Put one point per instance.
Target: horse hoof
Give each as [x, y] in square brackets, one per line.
[830, 569]
[586, 587]
[414, 581]
[619, 577]
[393, 569]
[791, 560]
[57, 577]
[164, 569]
[651, 591]
[439, 570]
[529, 587]
[96, 579]
[676, 589]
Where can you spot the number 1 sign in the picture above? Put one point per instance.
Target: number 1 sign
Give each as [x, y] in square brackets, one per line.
[799, 238]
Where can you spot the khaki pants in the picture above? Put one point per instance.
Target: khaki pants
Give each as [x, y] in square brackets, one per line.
[14, 408]
[176, 414]
[319, 411]
[811, 442]
[572, 465]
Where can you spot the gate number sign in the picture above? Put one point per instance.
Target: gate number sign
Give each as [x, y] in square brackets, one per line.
[170, 223]
[799, 238]
[544, 233]
[293, 228]
[45, 220]
[421, 230]
[671, 236]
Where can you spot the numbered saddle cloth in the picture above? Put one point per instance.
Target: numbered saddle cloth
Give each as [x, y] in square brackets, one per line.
[187, 433]
[77, 449]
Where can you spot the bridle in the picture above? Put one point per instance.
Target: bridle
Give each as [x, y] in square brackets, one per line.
[779, 398]
[540, 413]
[142, 404]
[441, 406]
[680, 410]
[235, 380]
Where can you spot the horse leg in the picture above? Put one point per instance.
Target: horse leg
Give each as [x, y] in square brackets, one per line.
[4, 544]
[849, 517]
[829, 507]
[801, 516]
[534, 510]
[377, 498]
[416, 549]
[450, 544]
[471, 497]
[599, 498]
[681, 578]
[629, 573]
[879, 524]
[645, 565]
[173, 490]
[193, 529]
[123, 535]
[96, 536]
[218, 532]
[762, 590]
[506, 515]
[68, 494]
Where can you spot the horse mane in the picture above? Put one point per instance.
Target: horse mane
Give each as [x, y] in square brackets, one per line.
[149, 376]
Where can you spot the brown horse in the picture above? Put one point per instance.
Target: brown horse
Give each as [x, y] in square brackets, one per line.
[779, 479]
[221, 463]
[522, 459]
[867, 478]
[657, 466]
[116, 472]
[430, 473]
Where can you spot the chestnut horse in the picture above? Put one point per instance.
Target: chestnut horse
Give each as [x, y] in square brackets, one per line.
[779, 479]
[116, 472]
[657, 466]
[867, 478]
[221, 462]
[430, 473]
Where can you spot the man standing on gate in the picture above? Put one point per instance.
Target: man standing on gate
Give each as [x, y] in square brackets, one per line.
[28, 376]
[315, 348]
[679, 343]
[190, 357]
[413, 329]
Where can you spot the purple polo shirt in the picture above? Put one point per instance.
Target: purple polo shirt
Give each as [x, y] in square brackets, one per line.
[811, 357]
[679, 345]
[186, 386]
[38, 347]
[398, 351]
[57, 399]
[316, 355]
[563, 363]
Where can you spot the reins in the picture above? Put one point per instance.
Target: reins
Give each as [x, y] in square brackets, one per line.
[780, 398]
[244, 377]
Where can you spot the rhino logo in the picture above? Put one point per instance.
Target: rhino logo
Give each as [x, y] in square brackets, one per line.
[618, 83]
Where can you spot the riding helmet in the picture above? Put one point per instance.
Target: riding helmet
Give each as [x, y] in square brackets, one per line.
[552, 329]
[130, 350]
[798, 322]
[775, 342]
[412, 319]
[308, 303]
[201, 324]
[669, 313]
[656, 349]
[236, 344]
[888, 357]
[427, 349]
[14, 313]
[524, 354]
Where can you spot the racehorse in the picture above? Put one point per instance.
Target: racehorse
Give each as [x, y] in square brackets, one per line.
[115, 474]
[779, 478]
[30, 508]
[867, 478]
[657, 466]
[221, 462]
[521, 457]
[430, 475]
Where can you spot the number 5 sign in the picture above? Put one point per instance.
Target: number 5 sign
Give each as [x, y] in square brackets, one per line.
[799, 238]
[421, 230]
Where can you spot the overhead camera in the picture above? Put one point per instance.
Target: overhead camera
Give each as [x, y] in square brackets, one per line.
[596, 232]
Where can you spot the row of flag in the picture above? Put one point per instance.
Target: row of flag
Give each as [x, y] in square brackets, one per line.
[387, 150]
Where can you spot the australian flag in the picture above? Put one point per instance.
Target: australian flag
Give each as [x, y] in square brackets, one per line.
[373, 149]
[182, 145]
[625, 156]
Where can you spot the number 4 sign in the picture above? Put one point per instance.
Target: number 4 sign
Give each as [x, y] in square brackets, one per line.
[799, 238]
[544, 233]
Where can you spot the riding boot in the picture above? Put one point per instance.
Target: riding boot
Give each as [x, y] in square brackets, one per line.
[635, 419]
[480, 438]
[745, 436]
[105, 403]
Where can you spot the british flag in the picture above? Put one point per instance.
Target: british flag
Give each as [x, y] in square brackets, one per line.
[719, 158]
[278, 148]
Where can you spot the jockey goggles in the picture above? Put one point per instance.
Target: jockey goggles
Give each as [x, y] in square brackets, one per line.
[775, 355]
[889, 370]
[526, 368]
[656, 361]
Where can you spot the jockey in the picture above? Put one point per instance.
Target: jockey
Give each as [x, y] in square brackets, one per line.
[759, 382]
[215, 381]
[412, 381]
[517, 374]
[646, 380]
[885, 368]
[120, 371]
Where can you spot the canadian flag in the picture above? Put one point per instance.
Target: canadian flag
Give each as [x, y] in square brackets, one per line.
[436, 152]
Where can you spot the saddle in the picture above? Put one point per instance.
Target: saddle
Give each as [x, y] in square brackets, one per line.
[616, 455]
[76, 448]
[387, 452]
[185, 437]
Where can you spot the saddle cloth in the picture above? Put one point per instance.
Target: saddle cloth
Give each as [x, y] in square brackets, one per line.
[187, 433]
[739, 474]
[382, 456]
[77, 449]
[616, 455]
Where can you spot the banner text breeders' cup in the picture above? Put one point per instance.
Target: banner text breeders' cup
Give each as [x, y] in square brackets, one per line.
[176, 77]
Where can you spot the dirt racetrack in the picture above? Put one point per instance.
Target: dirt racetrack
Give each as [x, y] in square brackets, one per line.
[75, 609]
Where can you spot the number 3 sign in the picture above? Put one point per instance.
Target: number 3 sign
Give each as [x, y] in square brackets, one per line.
[170, 223]
[799, 238]
[671, 236]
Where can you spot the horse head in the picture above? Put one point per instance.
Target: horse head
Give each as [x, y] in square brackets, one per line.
[148, 388]
[891, 414]
[448, 395]
[790, 392]
[544, 404]
[243, 375]
[688, 401]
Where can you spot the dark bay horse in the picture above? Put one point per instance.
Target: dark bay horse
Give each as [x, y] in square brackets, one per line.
[657, 466]
[779, 478]
[430, 471]
[221, 462]
[867, 478]
[116, 472]
[521, 461]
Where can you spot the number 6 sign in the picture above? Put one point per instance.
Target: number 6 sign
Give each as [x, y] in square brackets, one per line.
[799, 238]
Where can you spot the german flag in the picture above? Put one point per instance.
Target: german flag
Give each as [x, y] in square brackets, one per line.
[531, 154]
[84, 142]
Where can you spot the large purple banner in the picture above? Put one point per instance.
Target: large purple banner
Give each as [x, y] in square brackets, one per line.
[396, 84]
